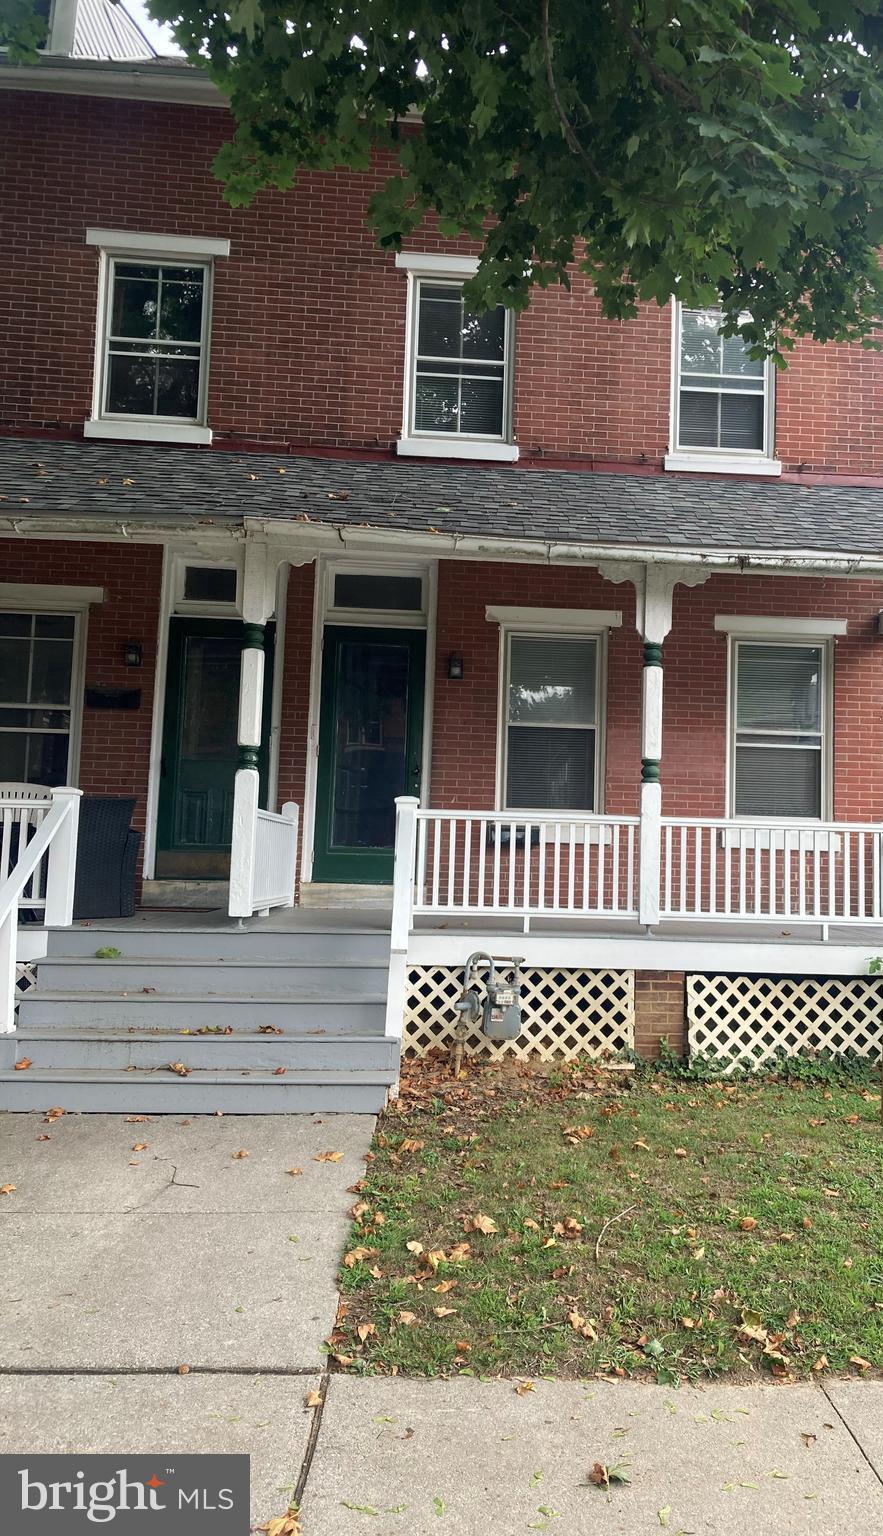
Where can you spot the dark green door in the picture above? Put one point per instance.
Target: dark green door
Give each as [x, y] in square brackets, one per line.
[199, 747]
[370, 746]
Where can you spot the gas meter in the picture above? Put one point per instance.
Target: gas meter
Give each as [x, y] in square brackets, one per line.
[500, 1012]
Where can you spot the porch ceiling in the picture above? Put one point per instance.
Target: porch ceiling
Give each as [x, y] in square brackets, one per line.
[147, 486]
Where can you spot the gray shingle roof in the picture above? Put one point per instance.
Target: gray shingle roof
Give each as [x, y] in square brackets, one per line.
[47, 477]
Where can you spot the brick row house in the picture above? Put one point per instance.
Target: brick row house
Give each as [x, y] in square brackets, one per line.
[410, 632]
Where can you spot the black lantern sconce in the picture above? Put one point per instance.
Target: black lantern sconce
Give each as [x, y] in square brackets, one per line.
[455, 666]
[133, 653]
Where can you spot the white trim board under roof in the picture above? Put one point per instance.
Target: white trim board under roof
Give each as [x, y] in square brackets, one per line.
[761, 625]
[555, 620]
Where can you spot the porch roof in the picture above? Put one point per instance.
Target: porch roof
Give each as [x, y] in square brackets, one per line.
[42, 478]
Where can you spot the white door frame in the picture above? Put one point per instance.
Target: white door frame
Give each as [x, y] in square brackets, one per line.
[325, 567]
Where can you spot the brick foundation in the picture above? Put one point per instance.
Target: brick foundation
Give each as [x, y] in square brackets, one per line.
[660, 1012]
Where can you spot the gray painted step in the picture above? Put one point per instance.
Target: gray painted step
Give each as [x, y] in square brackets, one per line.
[176, 1011]
[202, 1093]
[208, 977]
[223, 943]
[115, 1050]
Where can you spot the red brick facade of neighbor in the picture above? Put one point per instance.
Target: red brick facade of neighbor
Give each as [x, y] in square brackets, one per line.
[308, 328]
[308, 342]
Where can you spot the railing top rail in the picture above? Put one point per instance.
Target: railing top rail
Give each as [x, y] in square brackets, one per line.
[24, 802]
[532, 818]
[771, 824]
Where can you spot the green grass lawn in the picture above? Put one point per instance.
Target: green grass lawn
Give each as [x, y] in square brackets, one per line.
[748, 1230]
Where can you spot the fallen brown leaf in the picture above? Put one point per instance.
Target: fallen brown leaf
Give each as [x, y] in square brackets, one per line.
[327, 1157]
[237, 1156]
[22, 1066]
[523, 1387]
[6, 1189]
[313, 1400]
[294, 1171]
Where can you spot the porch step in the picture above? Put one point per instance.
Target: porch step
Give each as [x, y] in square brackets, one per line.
[123, 1049]
[333, 1012]
[142, 1091]
[223, 941]
[244, 977]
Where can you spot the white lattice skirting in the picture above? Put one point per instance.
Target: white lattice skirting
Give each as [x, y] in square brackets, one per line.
[25, 978]
[566, 1013]
[748, 1020]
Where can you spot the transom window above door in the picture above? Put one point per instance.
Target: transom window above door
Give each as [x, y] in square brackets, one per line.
[551, 723]
[780, 736]
[38, 657]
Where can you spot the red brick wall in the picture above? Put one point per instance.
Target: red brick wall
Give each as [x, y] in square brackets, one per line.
[695, 659]
[660, 1012]
[309, 315]
[115, 753]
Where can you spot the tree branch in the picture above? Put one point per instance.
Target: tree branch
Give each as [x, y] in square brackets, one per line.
[570, 135]
[666, 82]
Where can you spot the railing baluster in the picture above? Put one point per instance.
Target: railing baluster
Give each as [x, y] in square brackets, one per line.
[876, 874]
[587, 844]
[436, 859]
[452, 859]
[541, 896]
[667, 907]
[630, 870]
[571, 866]
[697, 893]
[556, 866]
[467, 861]
[513, 851]
[847, 873]
[482, 864]
[862, 855]
[712, 872]
[615, 904]
[495, 894]
[683, 870]
[602, 866]
[816, 877]
[420, 883]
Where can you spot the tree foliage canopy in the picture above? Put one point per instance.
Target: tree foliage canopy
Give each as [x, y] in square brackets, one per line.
[722, 151]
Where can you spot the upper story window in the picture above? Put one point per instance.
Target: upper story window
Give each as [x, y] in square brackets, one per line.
[458, 368]
[780, 731]
[151, 366]
[722, 406]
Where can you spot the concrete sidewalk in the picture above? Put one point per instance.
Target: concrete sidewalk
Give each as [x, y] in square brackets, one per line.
[470, 1458]
[118, 1266]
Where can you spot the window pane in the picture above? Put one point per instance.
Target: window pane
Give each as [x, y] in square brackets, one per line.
[440, 320]
[51, 672]
[178, 391]
[181, 307]
[54, 626]
[485, 335]
[550, 769]
[481, 407]
[134, 305]
[34, 719]
[698, 427]
[14, 657]
[736, 359]
[552, 681]
[402, 593]
[130, 382]
[13, 758]
[778, 781]
[700, 341]
[209, 584]
[779, 687]
[15, 623]
[47, 759]
[741, 421]
[435, 405]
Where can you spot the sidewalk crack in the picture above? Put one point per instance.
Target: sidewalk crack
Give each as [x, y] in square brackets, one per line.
[306, 1464]
[851, 1433]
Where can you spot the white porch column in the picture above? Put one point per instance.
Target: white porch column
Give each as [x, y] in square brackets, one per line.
[258, 603]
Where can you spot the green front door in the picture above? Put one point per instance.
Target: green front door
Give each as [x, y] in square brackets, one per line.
[199, 747]
[370, 747]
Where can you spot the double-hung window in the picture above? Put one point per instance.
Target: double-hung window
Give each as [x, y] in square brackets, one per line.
[780, 731]
[154, 324]
[458, 383]
[551, 722]
[38, 682]
[722, 407]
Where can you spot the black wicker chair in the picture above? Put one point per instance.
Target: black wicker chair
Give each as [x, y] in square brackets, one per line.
[107, 855]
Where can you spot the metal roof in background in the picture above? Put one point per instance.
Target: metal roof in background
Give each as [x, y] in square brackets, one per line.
[105, 30]
[45, 477]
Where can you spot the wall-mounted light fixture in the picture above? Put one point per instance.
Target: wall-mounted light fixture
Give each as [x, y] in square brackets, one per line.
[133, 653]
[455, 666]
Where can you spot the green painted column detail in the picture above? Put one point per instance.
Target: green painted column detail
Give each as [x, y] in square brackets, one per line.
[652, 654]
[650, 767]
[252, 637]
[248, 757]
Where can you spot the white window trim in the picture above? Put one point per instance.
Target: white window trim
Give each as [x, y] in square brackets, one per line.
[450, 445]
[181, 563]
[794, 637]
[762, 627]
[719, 461]
[125, 245]
[593, 624]
[71, 603]
[361, 618]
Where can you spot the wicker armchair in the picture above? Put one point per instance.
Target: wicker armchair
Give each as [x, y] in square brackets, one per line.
[107, 855]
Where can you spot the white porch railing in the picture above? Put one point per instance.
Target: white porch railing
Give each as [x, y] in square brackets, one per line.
[777, 871]
[38, 857]
[487, 863]
[263, 855]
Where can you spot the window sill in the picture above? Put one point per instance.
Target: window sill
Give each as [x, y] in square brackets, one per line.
[148, 431]
[437, 448]
[721, 464]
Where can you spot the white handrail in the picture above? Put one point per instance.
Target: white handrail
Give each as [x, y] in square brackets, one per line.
[779, 871]
[263, 853]
[55, 836]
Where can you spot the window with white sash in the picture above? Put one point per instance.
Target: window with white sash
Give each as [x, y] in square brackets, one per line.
[780, 745]
[459, 365]
[723, 397]
[551, 722]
